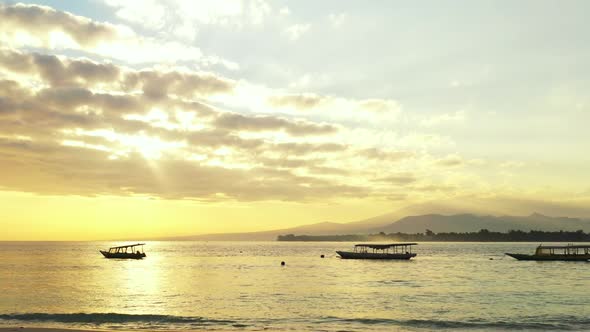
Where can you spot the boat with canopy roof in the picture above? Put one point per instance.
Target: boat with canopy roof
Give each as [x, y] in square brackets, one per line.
[556, 253]
[125, 252]
[379, 251]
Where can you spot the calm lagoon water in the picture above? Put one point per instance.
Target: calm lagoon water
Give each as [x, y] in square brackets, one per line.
[242, 286]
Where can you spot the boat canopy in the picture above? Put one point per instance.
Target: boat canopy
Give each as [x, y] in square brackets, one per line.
[570, 246]
[129, 246]
[384, 246]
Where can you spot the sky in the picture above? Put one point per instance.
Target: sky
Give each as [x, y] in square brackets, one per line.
[135, 119]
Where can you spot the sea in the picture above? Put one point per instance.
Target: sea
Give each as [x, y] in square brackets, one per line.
[242, 286]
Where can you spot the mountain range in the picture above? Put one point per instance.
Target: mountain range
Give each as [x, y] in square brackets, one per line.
[438, 223]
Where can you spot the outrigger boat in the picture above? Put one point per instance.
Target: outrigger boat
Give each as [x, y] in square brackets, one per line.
[127, 251]
[556, 253]
[379, 251]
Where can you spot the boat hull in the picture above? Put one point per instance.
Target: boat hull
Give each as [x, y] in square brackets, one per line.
[369, 255]
[524, 257]
[122, 255]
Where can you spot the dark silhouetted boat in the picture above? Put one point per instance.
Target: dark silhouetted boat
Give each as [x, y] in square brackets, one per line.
[379, 251]
[125, 252]
[556, 253]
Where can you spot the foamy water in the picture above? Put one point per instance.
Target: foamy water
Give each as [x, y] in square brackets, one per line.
[242, 286]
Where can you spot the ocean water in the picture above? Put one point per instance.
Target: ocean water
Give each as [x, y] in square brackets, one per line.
[242, 286]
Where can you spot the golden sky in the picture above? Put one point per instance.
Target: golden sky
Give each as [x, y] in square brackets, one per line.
[122, 119]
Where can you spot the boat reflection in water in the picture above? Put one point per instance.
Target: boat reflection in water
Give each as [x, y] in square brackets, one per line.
[125, 252]
[380, 251]
[556, 253]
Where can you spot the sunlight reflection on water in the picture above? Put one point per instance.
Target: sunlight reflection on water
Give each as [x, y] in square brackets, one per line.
[241, 285]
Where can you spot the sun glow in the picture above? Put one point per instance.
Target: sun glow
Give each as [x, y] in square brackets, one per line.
[150, 147]
[81, 144]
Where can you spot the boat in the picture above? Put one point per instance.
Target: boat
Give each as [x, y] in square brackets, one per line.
[125, 252]
[379, 251]
[556, 253]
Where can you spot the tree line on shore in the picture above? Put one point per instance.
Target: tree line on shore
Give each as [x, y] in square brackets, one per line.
[482, 235]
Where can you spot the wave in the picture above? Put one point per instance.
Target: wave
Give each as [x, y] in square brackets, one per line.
[168, 321]
[112, 318]
[529, 323]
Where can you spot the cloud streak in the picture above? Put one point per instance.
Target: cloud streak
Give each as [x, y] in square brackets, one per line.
[42, 21]
[40, 26]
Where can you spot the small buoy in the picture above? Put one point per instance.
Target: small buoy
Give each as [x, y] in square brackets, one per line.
[322, 256]
[282, 263]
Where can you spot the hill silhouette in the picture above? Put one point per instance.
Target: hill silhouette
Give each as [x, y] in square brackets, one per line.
[438, 223]
[472, 223]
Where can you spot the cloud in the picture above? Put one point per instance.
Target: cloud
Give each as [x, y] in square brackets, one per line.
[43, 114]
[61, 134]
[217, 138]
[379, 105]
[150, 14]
[183, 19]
[54, 114]
[158, 84]
[434, 188]
[295, 31]
[285, 162]
[43, 21]
[71, 152]
[375, 112]
[336, 20]
[40, 26]
[13, 90]
[58, 72]
[162, 118]
[155, 84]
[71, 98]
[68, 79]
[399, 179]
[258, 10]
[451, 160]
[303, 101]
[308, 148]
[235, 121]
[325, 170]
[374, 153]
[77, 125]
[58, 169]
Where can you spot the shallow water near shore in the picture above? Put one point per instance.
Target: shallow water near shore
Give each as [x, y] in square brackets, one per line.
[242, 286]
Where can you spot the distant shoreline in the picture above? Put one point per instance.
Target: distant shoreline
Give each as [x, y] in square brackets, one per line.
[483, 235]
[54, 329]
[48, 329]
